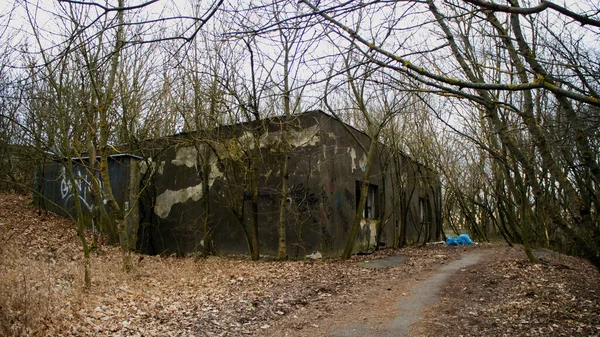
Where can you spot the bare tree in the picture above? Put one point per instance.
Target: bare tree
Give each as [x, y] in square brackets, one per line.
[373, 103]
[533, 63]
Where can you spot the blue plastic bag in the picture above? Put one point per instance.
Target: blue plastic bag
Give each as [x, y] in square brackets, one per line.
[451, 241]
[462, 239]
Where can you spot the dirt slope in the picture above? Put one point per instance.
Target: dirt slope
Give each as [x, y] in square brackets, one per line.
[41, 286]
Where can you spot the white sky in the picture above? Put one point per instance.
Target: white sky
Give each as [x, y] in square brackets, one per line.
[50, 17]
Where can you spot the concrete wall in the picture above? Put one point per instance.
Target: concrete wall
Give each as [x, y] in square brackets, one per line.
[325, 165]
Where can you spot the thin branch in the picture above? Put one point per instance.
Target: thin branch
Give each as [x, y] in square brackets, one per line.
[408, 68]
[544, 4]
[109, 9]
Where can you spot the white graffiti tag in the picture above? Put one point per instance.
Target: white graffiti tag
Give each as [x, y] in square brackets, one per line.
[82, 186]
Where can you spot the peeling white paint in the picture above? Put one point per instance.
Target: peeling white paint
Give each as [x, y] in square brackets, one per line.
[145, 165]
[361, 164]
[148, 164]
[246, 139]
[168, 198]
[352, 153]
[214, 172]
[371, 226]
[306, 137]
[186, 156]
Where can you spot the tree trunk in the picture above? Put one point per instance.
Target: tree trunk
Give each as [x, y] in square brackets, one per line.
[254, 175]
[208, 248]
[116, 211]
[364, 190]
[282, 250]
[80, 224]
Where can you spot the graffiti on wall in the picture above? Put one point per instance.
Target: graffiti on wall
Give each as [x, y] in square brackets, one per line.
[82, 188]
[344, 220]
[304, 200]
[326, 208]
[349, 196]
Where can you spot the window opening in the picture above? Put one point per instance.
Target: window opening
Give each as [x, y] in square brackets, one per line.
[371, 210]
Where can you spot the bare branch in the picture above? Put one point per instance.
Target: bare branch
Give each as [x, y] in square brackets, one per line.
[109, 9]
[544, 4]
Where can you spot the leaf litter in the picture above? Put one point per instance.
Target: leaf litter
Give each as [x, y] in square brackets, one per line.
[506, 295]
[41, 288]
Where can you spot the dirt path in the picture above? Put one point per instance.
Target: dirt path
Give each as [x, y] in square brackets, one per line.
[386, 306]
[408, 308]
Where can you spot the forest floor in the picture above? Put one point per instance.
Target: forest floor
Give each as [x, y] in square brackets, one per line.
[41, 290]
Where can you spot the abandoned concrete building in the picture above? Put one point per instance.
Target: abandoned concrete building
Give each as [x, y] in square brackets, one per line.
[197, 186]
